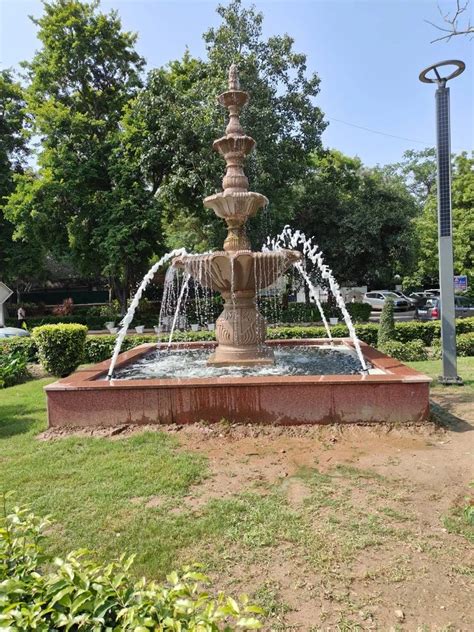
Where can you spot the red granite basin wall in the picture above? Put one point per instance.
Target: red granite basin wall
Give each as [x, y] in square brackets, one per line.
[399, 394]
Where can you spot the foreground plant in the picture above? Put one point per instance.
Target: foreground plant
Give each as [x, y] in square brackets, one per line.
[76, 593]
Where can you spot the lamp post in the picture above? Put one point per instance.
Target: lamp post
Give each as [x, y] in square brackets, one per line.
[445, 238]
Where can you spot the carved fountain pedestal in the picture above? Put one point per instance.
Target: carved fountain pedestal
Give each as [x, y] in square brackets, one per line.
[237, 272]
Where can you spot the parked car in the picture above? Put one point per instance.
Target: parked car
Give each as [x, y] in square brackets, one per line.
[376, 300]
[431, 309]
[10, 332]
[418, 297]
[411, 301]
[433, 292]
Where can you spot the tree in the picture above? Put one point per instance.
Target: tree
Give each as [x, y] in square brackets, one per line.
[89, 199]
[360, 217]
[21, 260]
[418, 171]
[176, 119]
[426, 226]
[386, 330]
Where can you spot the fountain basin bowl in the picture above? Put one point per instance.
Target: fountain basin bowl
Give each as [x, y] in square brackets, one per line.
[240, 271]
[392, 393]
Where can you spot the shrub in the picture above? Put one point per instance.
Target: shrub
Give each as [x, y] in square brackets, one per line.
[465, 344]
[21, 344]
[387, 324]
[405, 351]
[416, 330]
[75, 593]
[12, 368]
[359, 312]
[65, 309]
[60, 347]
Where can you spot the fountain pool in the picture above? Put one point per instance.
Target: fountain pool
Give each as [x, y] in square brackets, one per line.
[242, 377]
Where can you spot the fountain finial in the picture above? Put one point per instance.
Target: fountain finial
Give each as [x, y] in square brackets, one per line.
[234, 82]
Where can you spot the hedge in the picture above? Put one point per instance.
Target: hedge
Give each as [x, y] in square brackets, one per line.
[98, 348]
[40, 592]
[412, 351]
[60, 347]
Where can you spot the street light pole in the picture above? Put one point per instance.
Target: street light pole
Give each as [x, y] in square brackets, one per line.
[445, 232]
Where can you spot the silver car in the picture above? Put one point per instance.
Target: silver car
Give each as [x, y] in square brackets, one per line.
[11, 332]
[377, 299]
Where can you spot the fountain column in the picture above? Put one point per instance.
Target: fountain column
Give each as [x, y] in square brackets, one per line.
[238, 273]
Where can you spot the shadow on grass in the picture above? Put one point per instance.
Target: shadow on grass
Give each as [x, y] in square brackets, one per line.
[442, 417]
[14, 421]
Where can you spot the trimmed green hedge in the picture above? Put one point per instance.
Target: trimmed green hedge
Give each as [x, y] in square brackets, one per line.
[98, 348]
[412, 351]
[60, 347]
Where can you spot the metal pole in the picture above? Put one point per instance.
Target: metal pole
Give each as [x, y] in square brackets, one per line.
[445, 236]
[445, 227]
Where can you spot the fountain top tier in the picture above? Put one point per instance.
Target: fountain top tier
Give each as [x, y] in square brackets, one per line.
[235, 204]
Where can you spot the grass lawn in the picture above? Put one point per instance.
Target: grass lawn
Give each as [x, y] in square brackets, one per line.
[433, 369]
[309, 523]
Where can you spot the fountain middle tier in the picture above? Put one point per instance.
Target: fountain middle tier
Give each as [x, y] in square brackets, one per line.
[238, 276]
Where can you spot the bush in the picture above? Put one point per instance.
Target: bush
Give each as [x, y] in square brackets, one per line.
[12, 368]
[42, 593]
[405, 351]
[359, 312]
[416, 330]
[465, 344]
[387, 324]
[60, 347]
[21, 344]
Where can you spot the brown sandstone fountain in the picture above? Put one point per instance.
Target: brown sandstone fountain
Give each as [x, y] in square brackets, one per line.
[237, 272]
[390, 392]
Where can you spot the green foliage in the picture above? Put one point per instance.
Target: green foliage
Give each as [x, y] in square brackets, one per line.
[465, 344]
[405, 351]
[88, 202]
[426, 226]
[12, 368]
[387, 323]
[23, 345]
[76, 593]
[422, 330]
[60, 347]
[362, 218]
[359, 312]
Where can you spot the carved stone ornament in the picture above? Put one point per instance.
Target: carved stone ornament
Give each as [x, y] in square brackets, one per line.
[237, 272]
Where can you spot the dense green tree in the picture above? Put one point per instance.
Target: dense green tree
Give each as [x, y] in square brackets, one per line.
[418, 171]
[176, 118]
[426, 226]
[361, 218]
[21, 259]
[88, 198]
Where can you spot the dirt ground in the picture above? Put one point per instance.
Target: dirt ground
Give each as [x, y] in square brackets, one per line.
[383, 544]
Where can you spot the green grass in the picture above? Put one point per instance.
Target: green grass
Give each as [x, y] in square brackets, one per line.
[433, 369]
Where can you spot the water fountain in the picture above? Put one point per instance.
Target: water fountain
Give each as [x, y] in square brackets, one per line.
[237, 378]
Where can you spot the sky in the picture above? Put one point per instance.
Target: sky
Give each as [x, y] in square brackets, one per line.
[368, 54]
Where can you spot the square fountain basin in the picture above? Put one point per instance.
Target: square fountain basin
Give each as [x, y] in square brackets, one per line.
[391, 393]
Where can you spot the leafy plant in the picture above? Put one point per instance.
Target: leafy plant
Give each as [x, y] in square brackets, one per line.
[76, 593]
[60, 347]
[65, 309]
[387, 324]
[405, 351]
[12, 368]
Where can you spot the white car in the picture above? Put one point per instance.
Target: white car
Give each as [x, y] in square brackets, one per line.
[11, 332]
[377, 298]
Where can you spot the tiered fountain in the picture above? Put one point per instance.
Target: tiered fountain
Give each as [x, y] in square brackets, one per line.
[313, 381]
[237, 272]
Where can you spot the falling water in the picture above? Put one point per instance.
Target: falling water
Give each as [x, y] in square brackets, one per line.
[125, 323]
[293, 238]
[183, 291]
